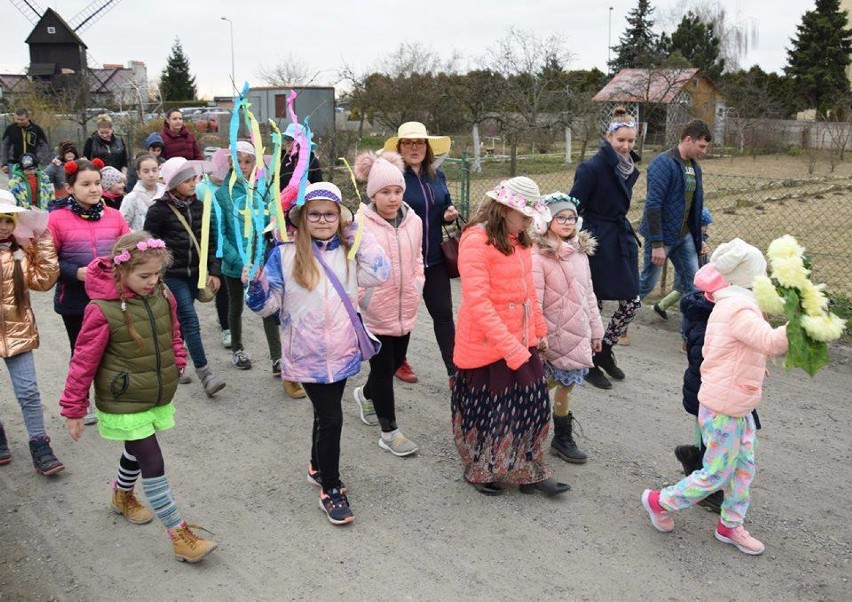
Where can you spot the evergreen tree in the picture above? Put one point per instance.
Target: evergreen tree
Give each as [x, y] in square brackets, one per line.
[176, 83]
[638, 46]
[698, 43]
[820, 54]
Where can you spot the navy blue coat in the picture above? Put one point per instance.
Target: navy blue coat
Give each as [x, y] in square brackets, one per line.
[430, 198]
[695, 309]
[604, 202]
[662, 217]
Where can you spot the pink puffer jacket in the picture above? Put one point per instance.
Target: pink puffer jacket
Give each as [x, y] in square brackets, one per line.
[391, 308]
[737, 342]
[563, 283]
[499, 315]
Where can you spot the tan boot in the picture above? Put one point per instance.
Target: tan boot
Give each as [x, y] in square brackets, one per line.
[126, 504]
[294, 390]
[187, 545]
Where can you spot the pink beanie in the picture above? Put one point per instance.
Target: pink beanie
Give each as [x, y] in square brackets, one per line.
[379, 170]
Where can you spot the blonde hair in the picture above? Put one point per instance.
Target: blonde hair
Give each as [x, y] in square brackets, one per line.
[306, 270]
[120, 271]
[103, 118]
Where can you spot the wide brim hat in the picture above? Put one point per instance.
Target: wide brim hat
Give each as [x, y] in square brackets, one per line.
[29, 223]
[321, 191]
[521, 194]
[414, 130]
[177, 169]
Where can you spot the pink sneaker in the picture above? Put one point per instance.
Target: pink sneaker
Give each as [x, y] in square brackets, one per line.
[740, 538]
[660, 518]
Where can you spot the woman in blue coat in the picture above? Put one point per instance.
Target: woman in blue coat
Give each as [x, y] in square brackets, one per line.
[604, 186]
[426, 192]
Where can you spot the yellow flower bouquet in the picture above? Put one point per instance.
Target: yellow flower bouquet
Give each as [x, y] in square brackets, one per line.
[789, 291]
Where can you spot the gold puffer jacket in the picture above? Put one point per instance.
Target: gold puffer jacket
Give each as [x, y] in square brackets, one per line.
[18, 332]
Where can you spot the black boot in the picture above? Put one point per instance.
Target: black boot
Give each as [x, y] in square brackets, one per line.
[5, 454]
[596, 378]
[606, 360]
[563, 444]
[713, 502]
[44, 462]
[690, 457]
[549, 487]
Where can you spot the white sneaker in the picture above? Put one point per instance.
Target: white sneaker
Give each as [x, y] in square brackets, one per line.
[365, 407]
[399, 446]
[226, 339]
[90, 417]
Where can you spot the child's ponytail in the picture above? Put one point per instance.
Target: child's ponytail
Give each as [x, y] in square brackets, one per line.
[19, 283]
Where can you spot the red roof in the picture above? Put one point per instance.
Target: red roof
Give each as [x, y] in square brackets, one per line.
[646, 85]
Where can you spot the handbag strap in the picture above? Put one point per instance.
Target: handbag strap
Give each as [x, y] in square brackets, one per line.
[188, 229]
[459, 226]
[338, 286]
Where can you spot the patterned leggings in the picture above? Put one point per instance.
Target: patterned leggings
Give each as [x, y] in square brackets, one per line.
[621, 319]
[728, 465]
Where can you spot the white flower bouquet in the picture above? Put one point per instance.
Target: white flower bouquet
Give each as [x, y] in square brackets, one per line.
[789, 291]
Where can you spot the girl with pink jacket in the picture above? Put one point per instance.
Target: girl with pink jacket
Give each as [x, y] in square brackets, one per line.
[563, 282]
[390, 309]
[737, 342]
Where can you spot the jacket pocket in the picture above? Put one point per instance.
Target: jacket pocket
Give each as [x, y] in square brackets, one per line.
[119, 384]
[748, 386]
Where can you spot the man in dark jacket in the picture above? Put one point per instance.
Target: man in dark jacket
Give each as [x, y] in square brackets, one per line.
[671, 221]
[21, 137]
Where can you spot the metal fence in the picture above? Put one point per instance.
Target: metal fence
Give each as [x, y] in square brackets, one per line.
[758, 209]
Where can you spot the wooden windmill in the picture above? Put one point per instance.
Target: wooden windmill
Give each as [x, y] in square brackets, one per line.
[56, 49]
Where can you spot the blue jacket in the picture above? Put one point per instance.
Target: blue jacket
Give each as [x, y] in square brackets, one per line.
[430, 198]
[232, 206]
[663, 215]
[604, 202]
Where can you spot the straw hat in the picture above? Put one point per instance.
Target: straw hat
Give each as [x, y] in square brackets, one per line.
[321, 191]
[521, 194]
[414, 130]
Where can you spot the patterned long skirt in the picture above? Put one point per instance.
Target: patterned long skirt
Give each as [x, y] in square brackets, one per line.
[501, 419]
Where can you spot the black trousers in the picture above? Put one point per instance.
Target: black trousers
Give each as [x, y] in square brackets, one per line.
[439, 301]
[222, 302]
[73, 325]
[379, 387]
[328, 423]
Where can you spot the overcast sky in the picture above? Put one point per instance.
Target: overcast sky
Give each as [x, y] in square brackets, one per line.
[324, 34]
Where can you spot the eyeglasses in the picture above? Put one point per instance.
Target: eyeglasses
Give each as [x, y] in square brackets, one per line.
[329, 216]
[413, 143]
[565, 219]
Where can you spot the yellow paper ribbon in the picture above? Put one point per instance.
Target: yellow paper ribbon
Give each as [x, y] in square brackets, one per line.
[359, 218]
[276, 191]
[205, 235]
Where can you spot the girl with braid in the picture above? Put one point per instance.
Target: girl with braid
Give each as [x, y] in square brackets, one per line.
[130, 347]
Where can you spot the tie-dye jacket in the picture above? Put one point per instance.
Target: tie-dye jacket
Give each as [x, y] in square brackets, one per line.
[318, 341]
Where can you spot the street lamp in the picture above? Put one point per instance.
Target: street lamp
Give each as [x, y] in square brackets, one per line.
[609, 39]
[233, 79]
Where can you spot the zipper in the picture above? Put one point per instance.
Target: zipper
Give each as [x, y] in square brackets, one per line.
[189, 244]
[399, 257]
[526, 304]
[426, 221]
[156, 349]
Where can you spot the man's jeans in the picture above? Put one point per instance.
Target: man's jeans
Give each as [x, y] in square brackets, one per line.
[684, 258]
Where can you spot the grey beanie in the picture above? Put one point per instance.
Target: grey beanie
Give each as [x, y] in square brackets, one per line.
[559, 201]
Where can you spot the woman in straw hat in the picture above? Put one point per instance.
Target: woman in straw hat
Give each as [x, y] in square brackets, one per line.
[500, 403]
[426, 192]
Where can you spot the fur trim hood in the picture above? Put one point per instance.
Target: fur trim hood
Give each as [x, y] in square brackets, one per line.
[583, 242]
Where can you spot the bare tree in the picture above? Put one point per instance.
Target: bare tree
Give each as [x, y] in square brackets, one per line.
[289, 70]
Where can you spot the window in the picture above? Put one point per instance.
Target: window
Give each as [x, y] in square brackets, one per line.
[51, 30]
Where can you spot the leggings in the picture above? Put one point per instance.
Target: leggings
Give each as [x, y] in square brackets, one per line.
[148, 456]
[235, 320]
[223, 305]
[439, 302]
[325, 436]
[621, 319]
[73, 325]
[379, 387]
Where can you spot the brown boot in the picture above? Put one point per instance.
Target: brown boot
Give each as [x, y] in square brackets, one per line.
[294, 390]
[187, 545]
[126, 504]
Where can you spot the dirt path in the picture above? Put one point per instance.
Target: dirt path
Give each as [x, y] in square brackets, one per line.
[237, 465]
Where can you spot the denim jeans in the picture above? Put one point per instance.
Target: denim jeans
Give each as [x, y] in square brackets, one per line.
[684, 259]
[185, 291]
[23, 376]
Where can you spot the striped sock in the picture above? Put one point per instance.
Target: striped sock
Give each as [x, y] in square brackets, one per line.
[128, 472]
[162, 500]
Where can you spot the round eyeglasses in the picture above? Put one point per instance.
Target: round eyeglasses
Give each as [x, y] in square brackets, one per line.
[329, 216]
[565, 219]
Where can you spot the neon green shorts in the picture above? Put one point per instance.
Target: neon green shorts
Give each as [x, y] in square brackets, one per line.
[132, 427]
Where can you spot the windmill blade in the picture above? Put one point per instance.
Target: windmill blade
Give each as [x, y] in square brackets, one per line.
[91, 14]
[30, 9]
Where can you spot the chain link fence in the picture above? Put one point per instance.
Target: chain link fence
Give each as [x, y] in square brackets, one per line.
[817, 210]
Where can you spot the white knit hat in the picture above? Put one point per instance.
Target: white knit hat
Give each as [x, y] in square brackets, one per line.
[738, 262]
[110, 176]
[521, 194]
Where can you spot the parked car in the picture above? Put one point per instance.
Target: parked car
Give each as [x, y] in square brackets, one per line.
[210, 120]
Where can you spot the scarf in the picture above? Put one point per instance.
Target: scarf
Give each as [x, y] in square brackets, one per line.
[625, 165]
[92, 213]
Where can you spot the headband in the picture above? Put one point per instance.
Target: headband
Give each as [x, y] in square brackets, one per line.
[620, 124]
[151, 243]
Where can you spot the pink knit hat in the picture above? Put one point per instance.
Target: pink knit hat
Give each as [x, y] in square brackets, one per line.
[379, 170]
